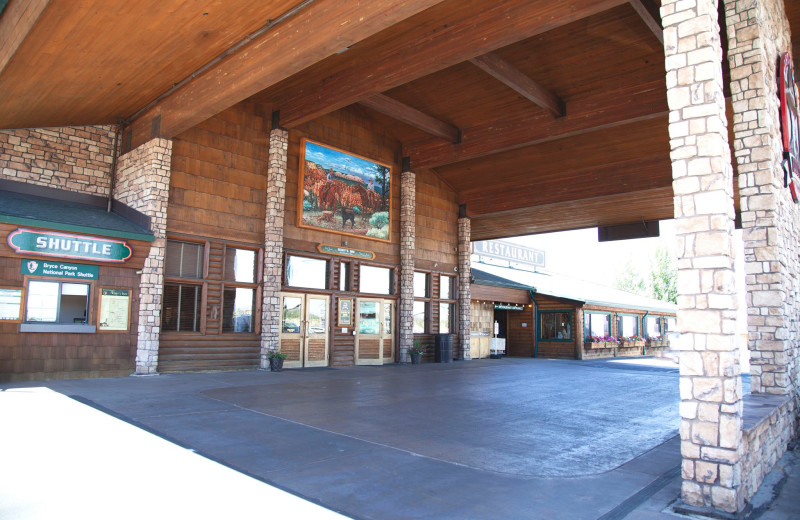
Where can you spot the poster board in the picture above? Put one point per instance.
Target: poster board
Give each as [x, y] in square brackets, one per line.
[11, 304]
[345, 312]
[115, 309]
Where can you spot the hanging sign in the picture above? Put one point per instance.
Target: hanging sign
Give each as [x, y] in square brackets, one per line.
[789, 127]
[59, 269]
[508, 307]
[510, 252]
[69, 246]
[345, 251]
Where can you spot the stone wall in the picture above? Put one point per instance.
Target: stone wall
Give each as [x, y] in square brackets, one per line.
[408, 192]
[464, 309]
[75, 159]
[142, 182]
[768, 428]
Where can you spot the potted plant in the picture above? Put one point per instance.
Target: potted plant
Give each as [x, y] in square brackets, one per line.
[275, 360]
[601, 342]
[415, 351]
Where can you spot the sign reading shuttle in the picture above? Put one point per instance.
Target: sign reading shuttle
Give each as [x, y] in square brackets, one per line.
[69, 246]
[502, 250]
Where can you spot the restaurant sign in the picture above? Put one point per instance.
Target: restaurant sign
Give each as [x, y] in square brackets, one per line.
[43, 243]
[510, 252]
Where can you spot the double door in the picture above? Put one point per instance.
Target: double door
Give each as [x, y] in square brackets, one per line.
[304, 330]
[375, 342]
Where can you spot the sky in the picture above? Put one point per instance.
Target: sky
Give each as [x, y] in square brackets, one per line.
[341, 162]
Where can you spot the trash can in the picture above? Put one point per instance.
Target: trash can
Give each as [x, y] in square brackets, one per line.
[443, 348]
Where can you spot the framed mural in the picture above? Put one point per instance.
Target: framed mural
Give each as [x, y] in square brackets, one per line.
[344, 193]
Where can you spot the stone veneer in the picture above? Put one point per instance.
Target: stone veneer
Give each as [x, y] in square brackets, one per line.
[273, 243]
[75, 159]
[408, 197]
[142, 182]
[710, 380]
[464, 309]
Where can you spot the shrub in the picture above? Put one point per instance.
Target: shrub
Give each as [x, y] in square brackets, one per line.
[379, 219]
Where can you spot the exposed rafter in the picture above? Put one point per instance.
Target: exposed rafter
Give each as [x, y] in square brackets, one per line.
[18, 19]
[653, 23]
[513, 78]
[318, 31]
[412, 116]
[454, 37]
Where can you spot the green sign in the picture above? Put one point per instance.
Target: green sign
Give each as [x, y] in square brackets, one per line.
[508, 307]
[69, 246]
[345, 251]
[59, 269]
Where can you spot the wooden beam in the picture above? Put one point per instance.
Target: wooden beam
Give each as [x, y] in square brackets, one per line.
[314, 33]
[653, 23]
[601, 111]
[513, 78]
[16, 22]
[412, 116]
[445, 38]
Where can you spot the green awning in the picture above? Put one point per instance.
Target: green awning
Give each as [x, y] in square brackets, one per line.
[31, 210]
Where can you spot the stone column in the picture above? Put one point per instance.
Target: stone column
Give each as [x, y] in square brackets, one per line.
[408, 197]
[464, 309]
[758, 33]
[710, 381]
[273, 243]
[142, 183]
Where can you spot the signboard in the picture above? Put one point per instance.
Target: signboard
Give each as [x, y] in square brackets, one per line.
[789, 127]
[115, 306]
[47, 243]
[345, 312]
[509, 251]
[508, 307]
[10, 304]
[344, 251]
[59, 269]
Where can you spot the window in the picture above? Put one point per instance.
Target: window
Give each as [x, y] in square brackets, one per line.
[596, 324]
[420, 317]
[445, 317]
[344, 276]
[420, 285]
[306, 272]
[375, 280]
[670, 324]
[292, 315]
[239, 295]
[181, 308]
[184, 259]
[652, 327]
[57, 302]
[446, 287]
[627, 325]
[556, 325]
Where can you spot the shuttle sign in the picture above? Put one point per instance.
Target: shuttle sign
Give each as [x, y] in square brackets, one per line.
[29, 241]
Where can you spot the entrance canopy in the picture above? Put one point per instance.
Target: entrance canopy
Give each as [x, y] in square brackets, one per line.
[541, 116]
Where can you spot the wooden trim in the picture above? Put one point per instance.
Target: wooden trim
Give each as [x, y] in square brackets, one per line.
[513, 78]
[413, 117]
[652, 23]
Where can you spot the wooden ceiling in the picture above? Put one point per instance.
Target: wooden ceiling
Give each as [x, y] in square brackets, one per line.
[541, 115]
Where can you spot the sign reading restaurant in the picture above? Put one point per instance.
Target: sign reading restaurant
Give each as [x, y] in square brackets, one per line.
[502, 250]
[43, 243]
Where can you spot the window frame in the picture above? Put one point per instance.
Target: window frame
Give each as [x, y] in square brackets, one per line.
[620, 316]
[569, 313]
[659, 319]
[328, 278]
[87, 327]
[255, 285]
[587, 326]
[391, 273]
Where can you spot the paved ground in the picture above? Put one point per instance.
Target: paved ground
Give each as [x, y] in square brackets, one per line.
[490, 439]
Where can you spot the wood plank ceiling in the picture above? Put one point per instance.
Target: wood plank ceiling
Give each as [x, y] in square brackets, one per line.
[541, 115]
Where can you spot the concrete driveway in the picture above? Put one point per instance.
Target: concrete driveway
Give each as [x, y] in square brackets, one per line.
[513, 438]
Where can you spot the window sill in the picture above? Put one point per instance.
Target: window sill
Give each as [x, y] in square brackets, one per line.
[79, 328]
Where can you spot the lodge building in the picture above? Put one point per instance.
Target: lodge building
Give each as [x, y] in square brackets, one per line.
[309, 176]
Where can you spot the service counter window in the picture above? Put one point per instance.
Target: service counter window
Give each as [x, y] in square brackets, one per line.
[652, 327]
[239, 295]
[56, 306]
[596, 324]
[555, 325]
[374, 280]
[627, 325]
[310, 273]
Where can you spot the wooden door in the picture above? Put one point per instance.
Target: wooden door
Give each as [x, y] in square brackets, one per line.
[387, 332]
[304, 330]
[369, 349]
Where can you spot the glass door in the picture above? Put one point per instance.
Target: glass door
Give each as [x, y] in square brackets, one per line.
[304, 330]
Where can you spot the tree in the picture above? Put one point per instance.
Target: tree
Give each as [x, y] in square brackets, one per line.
[664, 276]
[382, 180]
[629, 280]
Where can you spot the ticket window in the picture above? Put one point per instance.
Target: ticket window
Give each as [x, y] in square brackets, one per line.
[57, 302]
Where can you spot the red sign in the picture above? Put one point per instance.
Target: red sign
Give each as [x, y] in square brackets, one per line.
[789, 127]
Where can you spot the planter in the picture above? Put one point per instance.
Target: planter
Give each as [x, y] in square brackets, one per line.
[275, 364]
[599, 344]
[631, 344]
[415, 357]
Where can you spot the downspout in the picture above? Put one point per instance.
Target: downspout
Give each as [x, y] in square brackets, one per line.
[644, 319]
[114, 155]
[535, 323]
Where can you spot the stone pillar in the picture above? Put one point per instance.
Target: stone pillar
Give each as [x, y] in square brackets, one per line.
[273, 243]
[142, 183]
[464, 308]
[710, 381]
[758, 33]
[408, 197]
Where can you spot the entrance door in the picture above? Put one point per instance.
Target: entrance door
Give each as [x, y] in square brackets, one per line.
[375, 332]
[304, 330]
